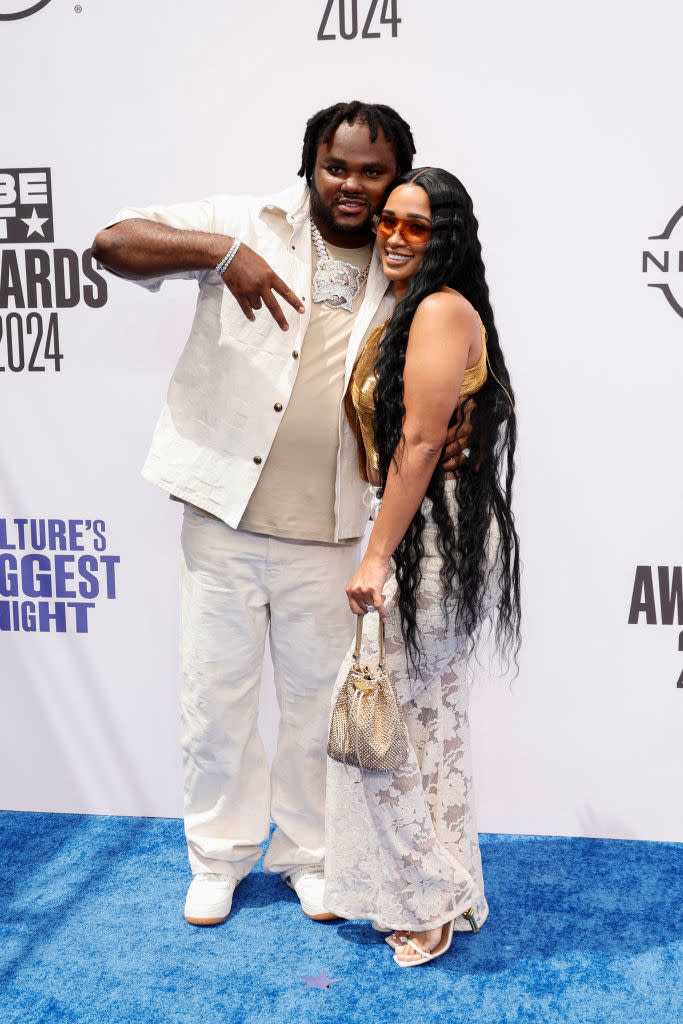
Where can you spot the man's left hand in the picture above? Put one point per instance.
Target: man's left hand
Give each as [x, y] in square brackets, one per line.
[455, 450]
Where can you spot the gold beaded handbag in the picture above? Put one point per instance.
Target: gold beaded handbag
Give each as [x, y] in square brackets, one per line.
[367, 729]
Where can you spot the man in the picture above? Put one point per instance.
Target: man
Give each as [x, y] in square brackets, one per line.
[254, 440]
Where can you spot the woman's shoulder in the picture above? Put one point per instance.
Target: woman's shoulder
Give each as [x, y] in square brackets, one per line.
[447, 308]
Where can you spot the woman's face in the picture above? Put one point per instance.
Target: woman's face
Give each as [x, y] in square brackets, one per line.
[403, 233]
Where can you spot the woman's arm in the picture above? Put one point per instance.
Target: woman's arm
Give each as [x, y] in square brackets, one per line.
[444, 337]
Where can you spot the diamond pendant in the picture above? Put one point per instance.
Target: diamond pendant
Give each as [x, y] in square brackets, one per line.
[336, 284]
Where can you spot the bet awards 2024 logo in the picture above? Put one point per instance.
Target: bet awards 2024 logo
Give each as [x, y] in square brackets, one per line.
[664, 265]
[659, 603]
[12, 10]
[36, 282]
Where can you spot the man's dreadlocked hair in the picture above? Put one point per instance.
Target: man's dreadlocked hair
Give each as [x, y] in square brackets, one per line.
[321, 127]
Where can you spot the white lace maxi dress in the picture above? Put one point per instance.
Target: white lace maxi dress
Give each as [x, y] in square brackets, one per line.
[402, 847]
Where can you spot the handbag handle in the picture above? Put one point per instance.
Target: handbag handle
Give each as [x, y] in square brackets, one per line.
[359, 637]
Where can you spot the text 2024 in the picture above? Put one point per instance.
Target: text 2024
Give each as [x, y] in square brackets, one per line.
[348, 21]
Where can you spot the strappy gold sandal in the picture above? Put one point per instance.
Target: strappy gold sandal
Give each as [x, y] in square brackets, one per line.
[442, 946]
[397, 938]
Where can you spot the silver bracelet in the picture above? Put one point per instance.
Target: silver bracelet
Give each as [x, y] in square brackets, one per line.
[228, 258]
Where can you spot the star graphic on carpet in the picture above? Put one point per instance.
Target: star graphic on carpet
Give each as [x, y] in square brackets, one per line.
[318, 980]
[34, 224]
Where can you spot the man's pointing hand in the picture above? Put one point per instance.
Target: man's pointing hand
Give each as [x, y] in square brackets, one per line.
[252, 281]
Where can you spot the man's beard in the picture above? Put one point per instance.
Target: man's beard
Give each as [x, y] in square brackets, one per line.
[324, 218]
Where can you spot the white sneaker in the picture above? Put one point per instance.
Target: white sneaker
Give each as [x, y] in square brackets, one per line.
[308, 883]
[209, 898]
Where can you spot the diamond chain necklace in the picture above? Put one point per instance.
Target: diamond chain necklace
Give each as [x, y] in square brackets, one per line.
[335, 283]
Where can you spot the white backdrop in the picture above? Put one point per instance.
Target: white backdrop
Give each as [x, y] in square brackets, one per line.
[563, 123]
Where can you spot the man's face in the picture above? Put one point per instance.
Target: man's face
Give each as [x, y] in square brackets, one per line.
[350, 178]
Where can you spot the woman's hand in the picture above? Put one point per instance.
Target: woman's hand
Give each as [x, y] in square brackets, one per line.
[365, 588]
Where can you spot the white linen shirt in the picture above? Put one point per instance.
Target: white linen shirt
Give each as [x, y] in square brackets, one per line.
[218, 424]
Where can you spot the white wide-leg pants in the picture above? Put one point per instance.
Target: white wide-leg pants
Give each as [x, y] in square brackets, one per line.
[234, 587]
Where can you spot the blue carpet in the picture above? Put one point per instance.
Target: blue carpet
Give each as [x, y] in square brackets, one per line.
[582, 931]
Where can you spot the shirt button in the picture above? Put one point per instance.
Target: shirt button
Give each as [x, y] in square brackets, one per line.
[295, 354]
[278, 407]
[258, 460]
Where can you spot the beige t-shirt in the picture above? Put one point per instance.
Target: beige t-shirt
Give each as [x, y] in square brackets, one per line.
[294, 497]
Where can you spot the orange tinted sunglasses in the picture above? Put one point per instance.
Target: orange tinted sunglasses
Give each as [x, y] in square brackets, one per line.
[414, 232]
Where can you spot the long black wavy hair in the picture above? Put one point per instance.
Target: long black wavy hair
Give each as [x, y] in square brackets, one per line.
[484, 484]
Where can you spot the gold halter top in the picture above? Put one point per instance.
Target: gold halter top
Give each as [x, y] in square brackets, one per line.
[359, 400]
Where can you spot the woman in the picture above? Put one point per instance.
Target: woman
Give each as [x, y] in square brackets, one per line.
[402, 846]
